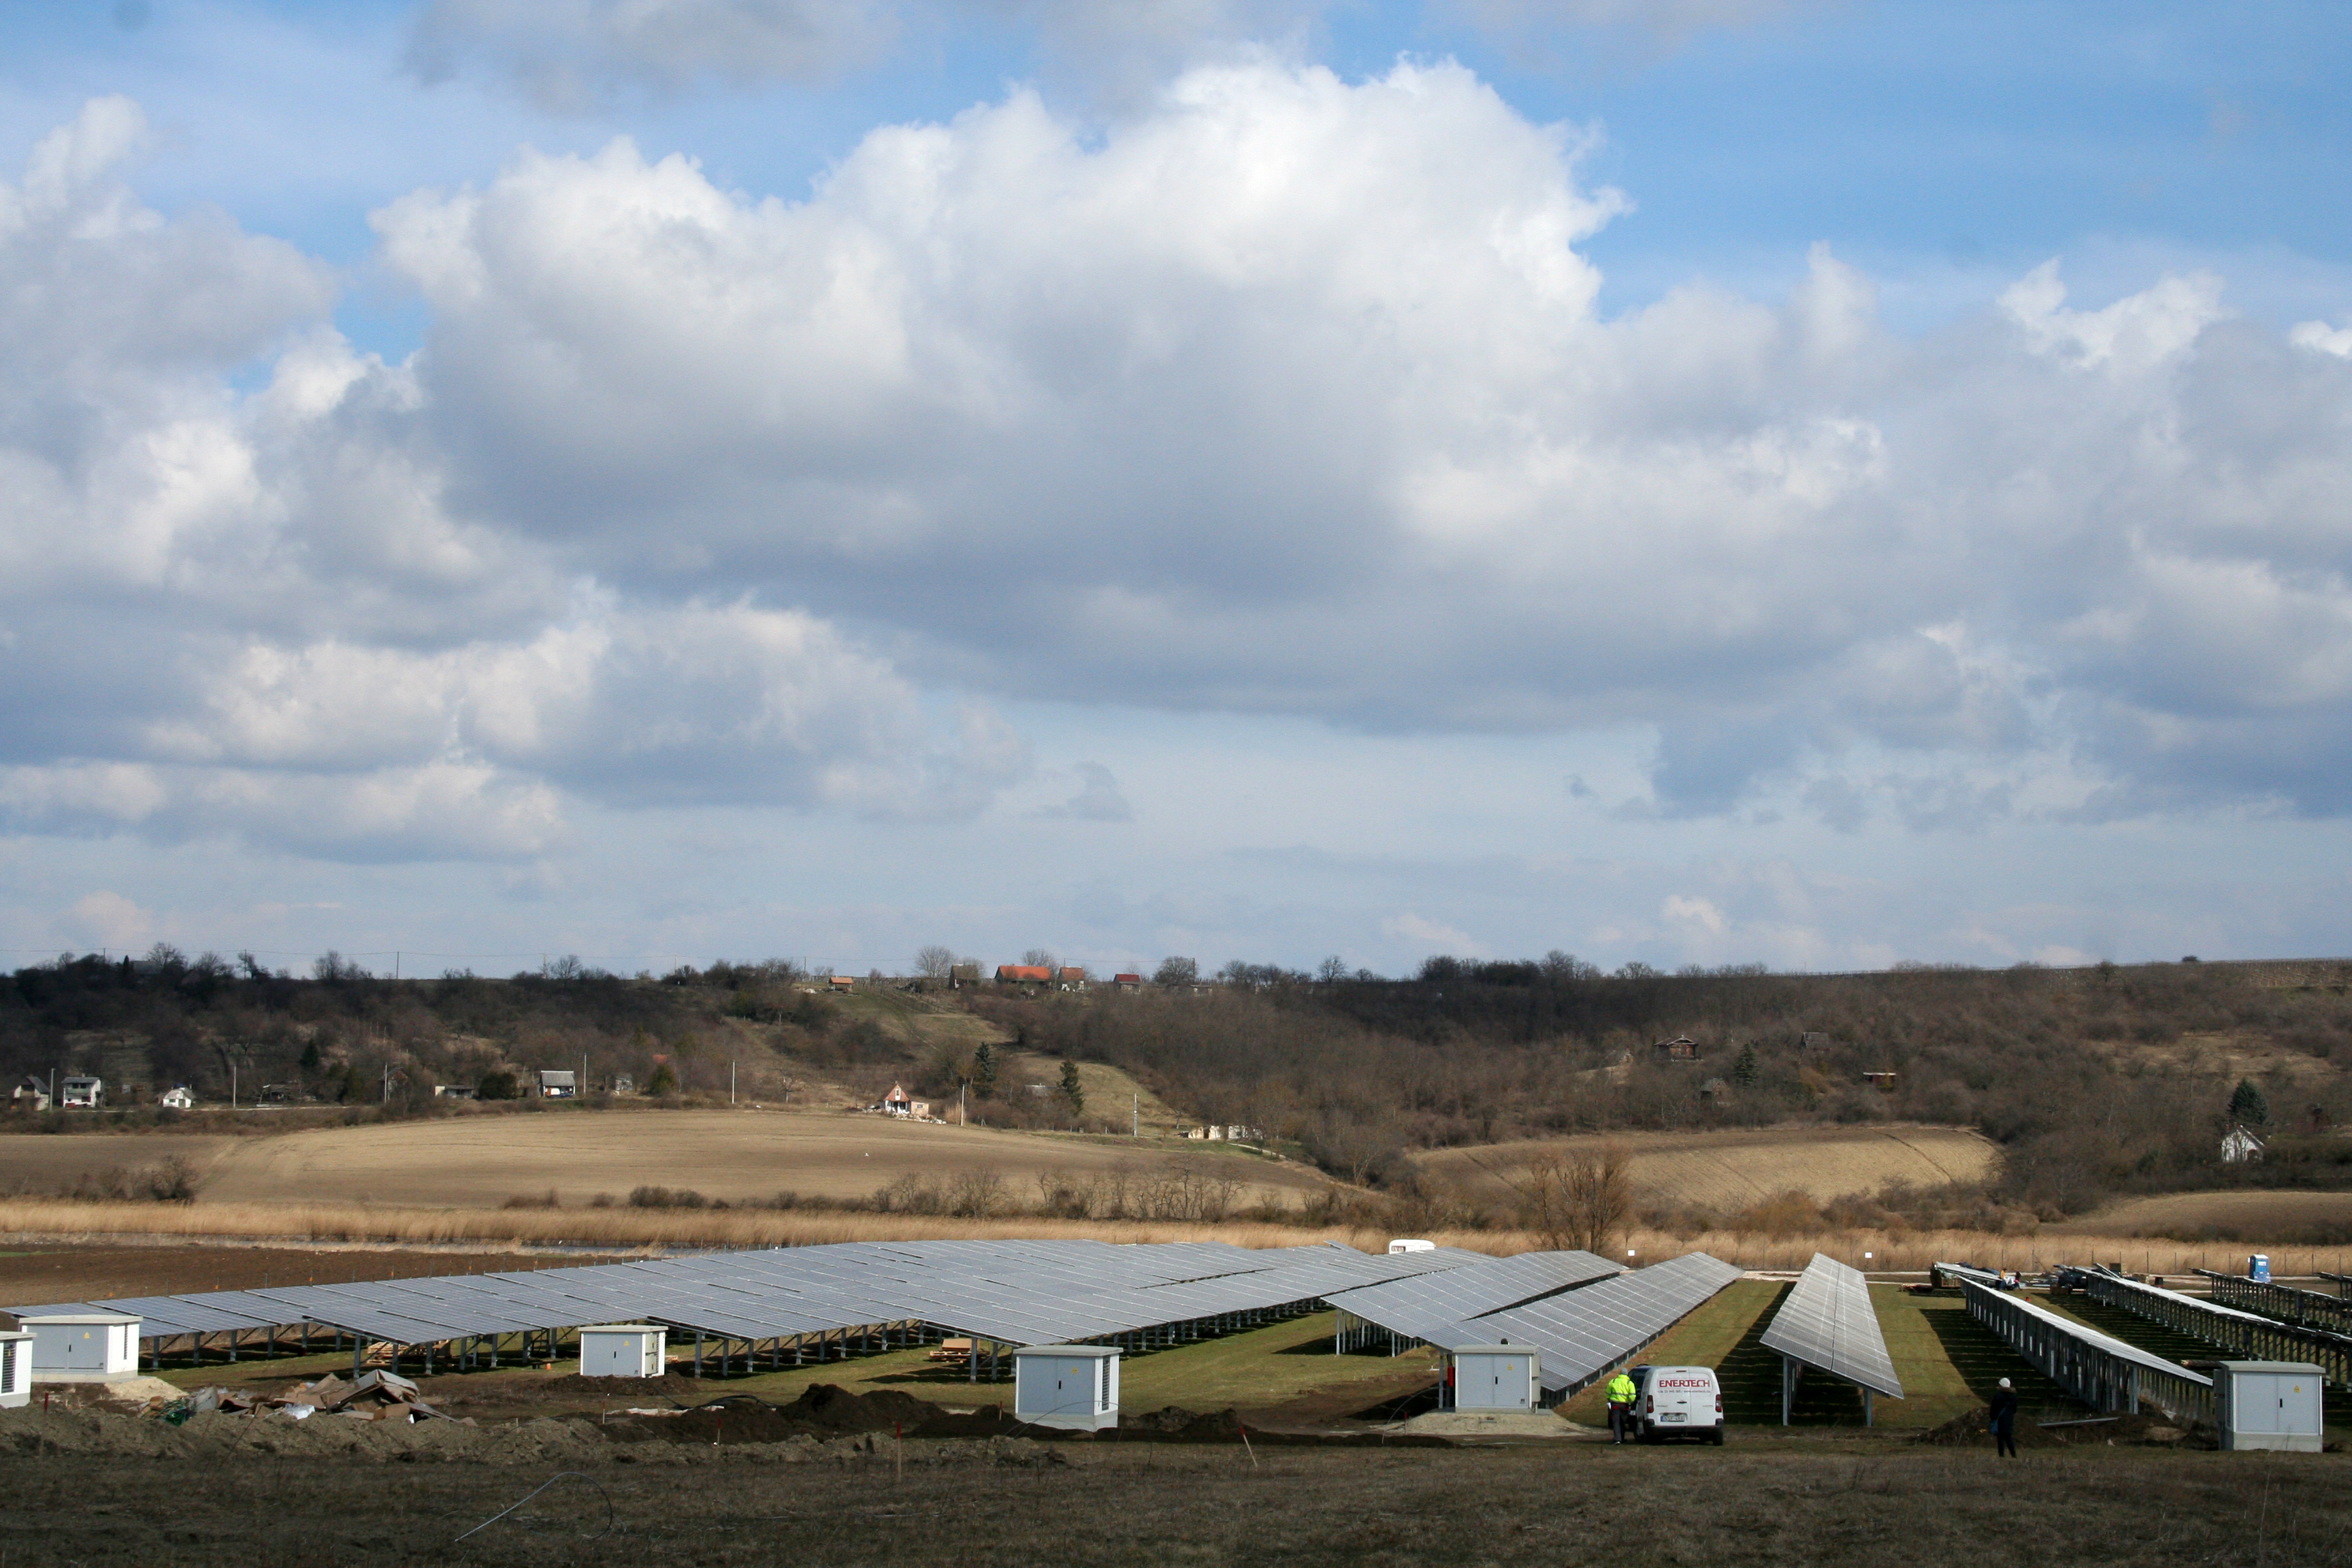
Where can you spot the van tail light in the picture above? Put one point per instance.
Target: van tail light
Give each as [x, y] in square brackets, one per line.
[1718, 1405]
[1650, 1406]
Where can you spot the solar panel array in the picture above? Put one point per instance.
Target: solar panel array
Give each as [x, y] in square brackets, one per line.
[1827, 1321]
[1581, 1331]
[1018, 1292]
[1432, 1306]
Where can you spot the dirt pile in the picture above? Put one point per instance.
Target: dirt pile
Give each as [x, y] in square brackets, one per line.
[822, 1411]
[1185, 1426]
[577, 1443]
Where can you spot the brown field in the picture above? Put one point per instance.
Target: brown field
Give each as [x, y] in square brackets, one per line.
[738, 1155]
[2227, 1216]
[1844, 1499]
[40, 1219]
[1731, 1169]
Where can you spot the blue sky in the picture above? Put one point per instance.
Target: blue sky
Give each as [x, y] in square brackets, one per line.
[1698, 481]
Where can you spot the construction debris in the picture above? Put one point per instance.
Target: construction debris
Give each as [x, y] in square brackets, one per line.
[373, 1396]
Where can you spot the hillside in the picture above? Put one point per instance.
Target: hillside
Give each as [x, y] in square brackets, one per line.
[2093, 1086]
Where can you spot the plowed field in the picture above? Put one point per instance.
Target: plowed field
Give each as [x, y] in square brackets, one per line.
[1728, 1171]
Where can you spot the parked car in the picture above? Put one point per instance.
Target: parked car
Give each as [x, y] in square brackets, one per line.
[1677, 1401]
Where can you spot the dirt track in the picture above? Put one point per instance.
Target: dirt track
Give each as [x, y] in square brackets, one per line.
[1731, 1169]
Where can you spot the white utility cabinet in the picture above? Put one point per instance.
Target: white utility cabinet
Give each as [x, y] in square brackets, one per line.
[16, 1368]
[82, 1347]
[2268, 1404]
[1496, 1377]
[622, 1350]
[1067, 1386]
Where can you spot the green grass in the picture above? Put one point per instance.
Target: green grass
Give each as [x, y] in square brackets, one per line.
[1706, 1338]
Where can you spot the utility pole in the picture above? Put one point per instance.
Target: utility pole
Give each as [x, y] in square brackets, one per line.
[730, 1080]
[1137, 1109]
[958, 1105]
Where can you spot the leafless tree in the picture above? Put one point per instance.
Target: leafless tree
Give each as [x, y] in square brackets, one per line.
[1578, 1199]
[935, 962]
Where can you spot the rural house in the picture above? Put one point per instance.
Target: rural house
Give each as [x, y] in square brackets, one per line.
[2241, 1148]
[83, 1094]
[1882, 1081]
[963, 974]
[558, 1083]
[34, 1089]
[180, 1099]
[1127, 981]
[1072, 979]
[840, 982]
[1024, 974]
[1681, 1048]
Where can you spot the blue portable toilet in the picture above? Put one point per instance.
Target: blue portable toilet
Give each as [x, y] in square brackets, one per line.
[2258, 1268]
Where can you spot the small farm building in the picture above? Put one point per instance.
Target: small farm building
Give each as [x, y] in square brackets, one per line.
[1024, 974]
[1074, 1386]
[622, 1350]
[2241, 1147]
[1072, 979]
[1494, 1377]
[180, 1099]
[1882, 1081]
[1127, 981]
[83, 1094]
[36, 1092]
[1681, 1048]
[83, 1347]
[558, 1083]
[963, 974]
[841, 983]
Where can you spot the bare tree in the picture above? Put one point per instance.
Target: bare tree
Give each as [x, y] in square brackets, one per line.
[1578, 1199]
[935, 962]
[1037, 957]
[1176, 971]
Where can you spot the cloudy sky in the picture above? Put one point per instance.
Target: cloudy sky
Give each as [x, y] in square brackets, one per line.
[1816, 482]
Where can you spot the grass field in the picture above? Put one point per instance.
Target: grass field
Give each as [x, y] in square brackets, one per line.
[1843, 1501]
[1730, 1170]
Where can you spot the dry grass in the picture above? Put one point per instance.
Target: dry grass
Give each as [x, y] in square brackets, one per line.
[1731, 1169]
[629, 1228]
[2225, 1215]
[478, 1162]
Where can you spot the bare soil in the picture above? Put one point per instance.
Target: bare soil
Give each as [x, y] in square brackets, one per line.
[2222, 1216]
[35, 1273]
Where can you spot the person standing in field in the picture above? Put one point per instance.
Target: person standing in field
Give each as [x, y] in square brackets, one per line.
[2003, 1421]
[1620, 1407]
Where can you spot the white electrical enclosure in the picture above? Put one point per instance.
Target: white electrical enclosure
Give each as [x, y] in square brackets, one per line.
[77, 1347]
[1496, 1377]
[622, 1350]
[16, 1368]
[2268, 1404]
[1067, 1386]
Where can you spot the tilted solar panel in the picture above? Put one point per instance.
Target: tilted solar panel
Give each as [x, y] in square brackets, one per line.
[1585, 1331]
[1826, 1320]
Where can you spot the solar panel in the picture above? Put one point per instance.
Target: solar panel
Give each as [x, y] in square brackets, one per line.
[1423, 1305]
[1019, 1292]
[1583, 1333]
[1827, 1321]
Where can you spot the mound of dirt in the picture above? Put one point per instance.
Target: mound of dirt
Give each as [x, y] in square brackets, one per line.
[1968, 1430]
[822, 1411]
[1185, 1426]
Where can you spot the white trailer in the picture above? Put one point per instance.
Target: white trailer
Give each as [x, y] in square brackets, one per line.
[83, 1347]
[2268, 1404]
[1074, 1386]
[622, 1350]
[1496, 1377]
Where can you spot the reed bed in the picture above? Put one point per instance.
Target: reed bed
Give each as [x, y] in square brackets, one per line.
[624, 1228]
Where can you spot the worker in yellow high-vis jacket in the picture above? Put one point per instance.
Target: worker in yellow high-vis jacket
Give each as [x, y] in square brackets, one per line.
[1622, 1394]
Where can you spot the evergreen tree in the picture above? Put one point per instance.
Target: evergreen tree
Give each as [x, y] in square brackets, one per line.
[1072, 1091]
[983, 1072]
[1743, 1071]
[662, 1081]
[2248, 1105]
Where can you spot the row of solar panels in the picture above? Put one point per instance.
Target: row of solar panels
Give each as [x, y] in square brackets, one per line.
[1019, 1292]
[1582, 1314]
[1827, 1321]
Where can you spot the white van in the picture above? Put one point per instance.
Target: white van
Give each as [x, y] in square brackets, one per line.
[1676, 1402]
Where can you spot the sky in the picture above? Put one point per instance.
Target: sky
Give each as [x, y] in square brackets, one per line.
[1817, 483]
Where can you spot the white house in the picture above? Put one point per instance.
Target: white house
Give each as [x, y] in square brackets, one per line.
[2241, 1147]
[180, 1099]
[36, 1092]
[83, 1093]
